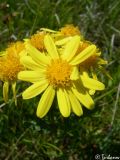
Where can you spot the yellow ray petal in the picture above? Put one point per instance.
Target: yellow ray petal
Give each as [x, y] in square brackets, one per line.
[50, 46]
[83, 96]
[102, 61]
[23, 53]
[94, 75]
[2, 53]
[71, 48]
[5, 91]
[62, 41]
[91, 83]
[75, 74]
[35, 89]
[36, 55]
[14, 92]
[48, 30]
[29, 63]
[91, 91]
[82, 56]
[98, 54]
[75, 104]
[63, 102]
[31, 76]
[45, 102]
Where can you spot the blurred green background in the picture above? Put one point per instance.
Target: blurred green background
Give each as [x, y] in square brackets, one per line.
[25, 137]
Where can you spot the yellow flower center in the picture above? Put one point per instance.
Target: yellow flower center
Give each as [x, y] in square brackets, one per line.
[9, 68]
[70, 30]
[58, 73]
[37, 40]
[10, 63]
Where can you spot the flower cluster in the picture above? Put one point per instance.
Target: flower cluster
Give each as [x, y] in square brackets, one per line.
[59, 64]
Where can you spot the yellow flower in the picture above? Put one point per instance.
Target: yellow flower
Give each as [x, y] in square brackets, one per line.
[10, 66]
[57, 74]
[89, 66]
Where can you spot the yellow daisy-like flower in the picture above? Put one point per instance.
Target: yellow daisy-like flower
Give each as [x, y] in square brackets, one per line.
[57, 74]
[89, 66]
[10, 66]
